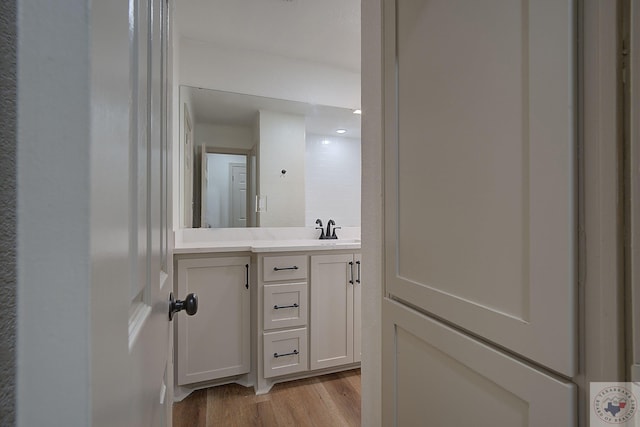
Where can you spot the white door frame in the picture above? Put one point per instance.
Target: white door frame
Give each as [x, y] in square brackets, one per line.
[600, 246]
[632, 104]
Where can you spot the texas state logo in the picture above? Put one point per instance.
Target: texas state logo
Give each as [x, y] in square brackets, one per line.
[613, 403]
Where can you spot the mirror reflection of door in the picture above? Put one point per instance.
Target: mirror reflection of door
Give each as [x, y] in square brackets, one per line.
[238, 194]
[187, 170]
[225, 197]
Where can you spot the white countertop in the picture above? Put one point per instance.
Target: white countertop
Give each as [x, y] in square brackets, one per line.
[260, 241]
[259, 246]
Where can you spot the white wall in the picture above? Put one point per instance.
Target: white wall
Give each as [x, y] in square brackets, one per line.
[258, 73]
[224, 136]
[332, 173]
[218, 200]
[282, 146]
[54, 308]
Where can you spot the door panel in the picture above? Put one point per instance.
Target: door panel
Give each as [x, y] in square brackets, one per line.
[149, 326]
[130, 331]
[480, 164]
[238, 195]
[442, 377]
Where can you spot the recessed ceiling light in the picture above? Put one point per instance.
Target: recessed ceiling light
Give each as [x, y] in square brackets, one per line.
[341, 131]
[357, 111]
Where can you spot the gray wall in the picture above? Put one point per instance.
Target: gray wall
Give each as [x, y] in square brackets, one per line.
[7, 210]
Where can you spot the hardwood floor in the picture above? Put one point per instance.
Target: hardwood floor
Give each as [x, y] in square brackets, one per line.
[329, 400]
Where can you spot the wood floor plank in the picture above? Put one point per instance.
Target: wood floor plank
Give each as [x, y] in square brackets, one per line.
[231, 405]
[303, 402]
[267, 416]
[192, 411]
[354, 379]
[346, 398]
[325, 401]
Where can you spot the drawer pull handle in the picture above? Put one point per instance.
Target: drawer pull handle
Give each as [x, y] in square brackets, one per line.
[295, 267]
[294, 352]
[278, 307]
[351, 268]
[358, 264]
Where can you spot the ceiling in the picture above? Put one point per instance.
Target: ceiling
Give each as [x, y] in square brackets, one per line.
[234, 109]
[323, 31]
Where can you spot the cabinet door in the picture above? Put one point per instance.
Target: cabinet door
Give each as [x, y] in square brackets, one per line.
[357, 323]
[215, 342]
[331, 310]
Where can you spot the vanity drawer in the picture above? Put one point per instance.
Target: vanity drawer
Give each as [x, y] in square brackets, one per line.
[289, 267]
[285, 305]
[285, 352]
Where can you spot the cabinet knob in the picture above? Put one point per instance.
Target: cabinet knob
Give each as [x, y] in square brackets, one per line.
[190, 305]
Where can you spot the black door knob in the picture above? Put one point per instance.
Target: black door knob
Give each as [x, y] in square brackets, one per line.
[190, 305]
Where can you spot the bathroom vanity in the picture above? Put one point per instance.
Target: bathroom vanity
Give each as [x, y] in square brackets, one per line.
[274, 305]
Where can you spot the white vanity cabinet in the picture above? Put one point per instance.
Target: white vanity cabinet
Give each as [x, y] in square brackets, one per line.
[335, 310]
[267, 316]
[215, 342]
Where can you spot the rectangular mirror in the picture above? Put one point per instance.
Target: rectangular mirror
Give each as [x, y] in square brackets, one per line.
[251, 161]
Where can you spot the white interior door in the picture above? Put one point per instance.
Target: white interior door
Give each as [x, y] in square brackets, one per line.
[131, 265]
[238, 193]
[480, 169]
[94, 335]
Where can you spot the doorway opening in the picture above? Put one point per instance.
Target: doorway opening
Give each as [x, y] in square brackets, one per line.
[224, 188]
